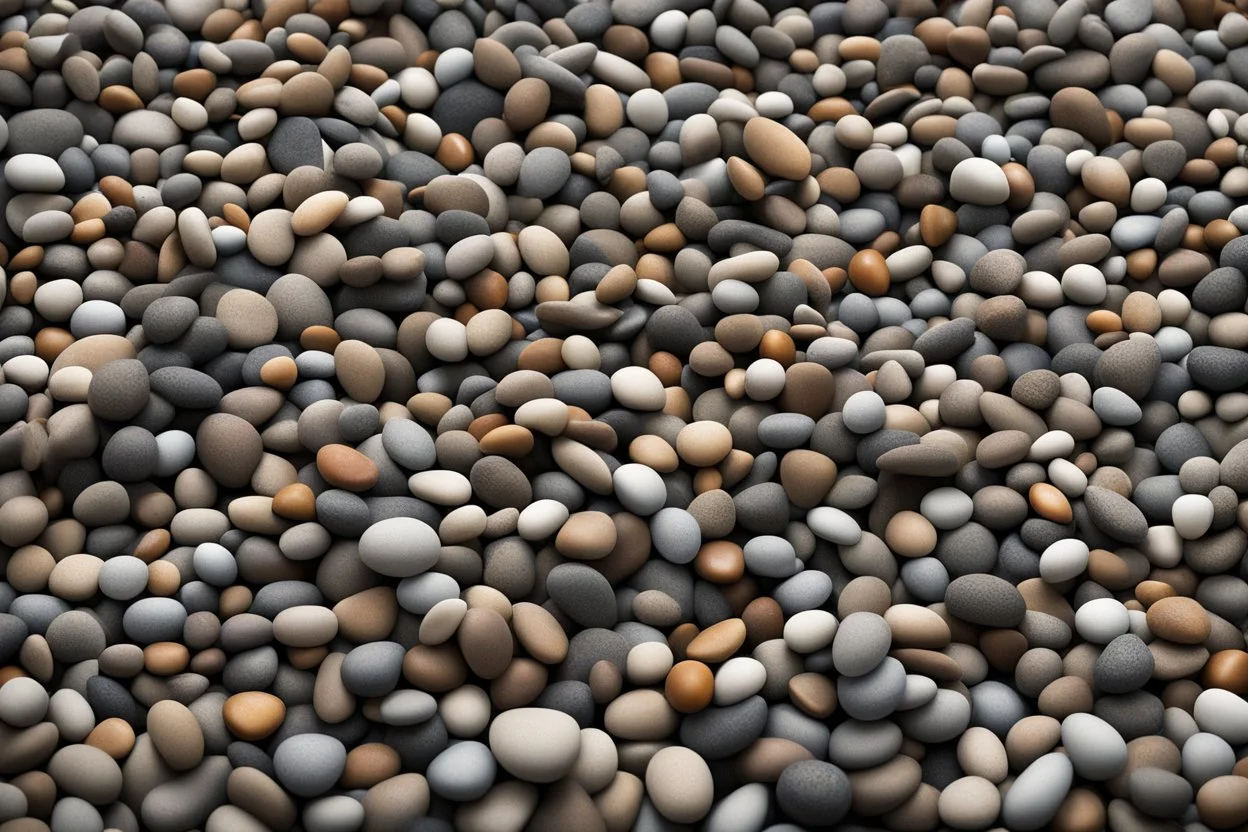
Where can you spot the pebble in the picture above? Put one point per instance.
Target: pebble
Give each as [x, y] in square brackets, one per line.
[612, 394]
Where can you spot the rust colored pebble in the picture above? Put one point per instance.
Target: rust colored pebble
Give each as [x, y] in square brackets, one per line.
[1050, 503]
[253, 715]
[717, 642]
[869, 273]
[295, 502]
[345, 467]
[1178, 619]
[1227, 669]
[690, 686]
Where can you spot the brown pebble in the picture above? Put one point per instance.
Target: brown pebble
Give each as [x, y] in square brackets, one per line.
[345, 467]
[1177, 619]
[113, 736]
[869, 273]
[690, 686]
[718, 642]
[1228, 669]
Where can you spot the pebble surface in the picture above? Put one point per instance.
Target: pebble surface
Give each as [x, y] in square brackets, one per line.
[623, 415]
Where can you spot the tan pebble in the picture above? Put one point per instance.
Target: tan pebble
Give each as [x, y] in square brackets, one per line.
[807, 476]
[1030, 738]
[643, 715]
[1223, 802]
[165, 658]
[910, 534]
[703, 443]
[776, 149]
[369, 764]
[885, 787]
[248, 317]
[969, 803]
[679, 783]
[539, 633]
[587, 535]
[718, 642]
[720, 561]
[1178, 619]
[916, 626]
[113, 736]
[486, 642]
[1081, 811]
[366, 616]
[75, 578]
[176, 734]
[253, 715]
[1050, 503]
[814, 694]
[318, 212]
[360, 370]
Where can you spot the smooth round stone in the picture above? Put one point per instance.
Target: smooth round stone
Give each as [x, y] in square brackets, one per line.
[674, 532]
[979, 182]
[638, 388]
[538, 745]
[834, 525]
[150, 620]
[1223, 713]
[969, 803]
[639, 488]
[738, 679]
[399, 547]
[864, 412]
[308, 765]
[947, 507]
[861, 642]
[1125, 665]
[1096, 750]
[985, 600]
[1101, 620]
[814, 792]
[875, 694]
[810, 630]
[770, 556]
[679, 783]
[1037, 793]
[463, 772]
[1064, 560]
[1192, 515]
[1115, 407]
[328, 814]
[23, 702]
